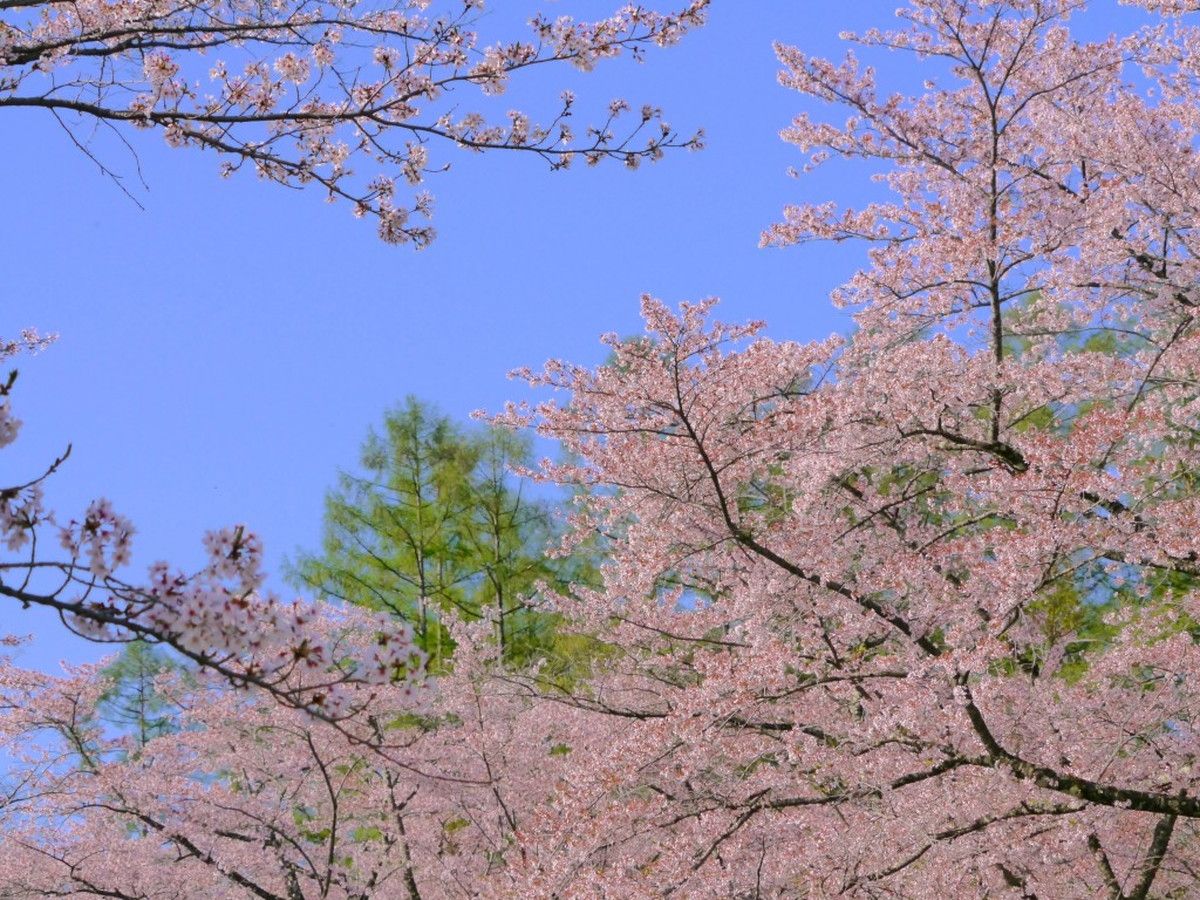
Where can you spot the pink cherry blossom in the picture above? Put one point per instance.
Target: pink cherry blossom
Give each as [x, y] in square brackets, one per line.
[908, 613]
[320, 93]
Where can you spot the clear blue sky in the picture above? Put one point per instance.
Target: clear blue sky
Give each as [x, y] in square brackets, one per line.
[224, 351]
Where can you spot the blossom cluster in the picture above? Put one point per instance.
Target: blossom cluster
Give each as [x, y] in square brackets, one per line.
[322, 660]
[332, 94]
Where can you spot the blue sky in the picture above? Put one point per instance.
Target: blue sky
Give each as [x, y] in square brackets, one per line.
[224, 351]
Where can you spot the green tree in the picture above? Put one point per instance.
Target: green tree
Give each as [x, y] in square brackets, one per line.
[132, 704]
[435, 524]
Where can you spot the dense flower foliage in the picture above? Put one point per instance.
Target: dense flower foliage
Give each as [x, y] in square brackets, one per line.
[911, 613]
[246, 797]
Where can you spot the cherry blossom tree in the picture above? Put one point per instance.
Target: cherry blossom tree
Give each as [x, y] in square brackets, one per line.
[908, 613]
[347, 96]
[247, 797]
[914, 612]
